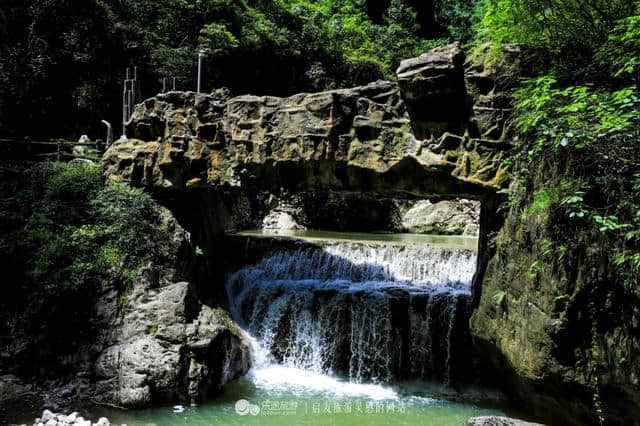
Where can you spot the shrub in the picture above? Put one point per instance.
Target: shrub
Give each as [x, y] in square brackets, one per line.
[68, 236]
[591, 136]
[569, 34]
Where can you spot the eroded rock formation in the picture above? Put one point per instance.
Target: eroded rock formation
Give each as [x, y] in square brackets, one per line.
[161, 343]
[170, 346]
[413, 137]
[350, 212]
[447, 217]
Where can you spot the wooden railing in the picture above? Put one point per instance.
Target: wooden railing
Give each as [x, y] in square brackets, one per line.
[52, 150]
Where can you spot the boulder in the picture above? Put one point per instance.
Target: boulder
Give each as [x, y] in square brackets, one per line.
[66, 391]
[143, 348]
[443, 217]
[46, 416]
[280, 221]
[52, 419]
[219, 352]
[11, 386]
[433, 88]
[167, 335]
[103, 421]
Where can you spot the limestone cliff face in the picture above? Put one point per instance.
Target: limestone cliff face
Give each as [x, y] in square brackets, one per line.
[416, 136]
[554, 324]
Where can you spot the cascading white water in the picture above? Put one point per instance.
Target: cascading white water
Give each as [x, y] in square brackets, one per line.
[418, 265]
[369, 311]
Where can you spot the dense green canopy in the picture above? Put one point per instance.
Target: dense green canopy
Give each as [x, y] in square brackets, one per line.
[62, 61]
[580, 39]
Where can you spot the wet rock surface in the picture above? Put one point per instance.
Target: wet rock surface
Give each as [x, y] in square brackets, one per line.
[151, 341]
[11, 386]
[552, 322]
[498, 421]
[280, 221]
[170, 347]
[74, 419]
[162, 342]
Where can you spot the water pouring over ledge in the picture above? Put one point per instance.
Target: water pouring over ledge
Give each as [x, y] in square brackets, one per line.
[334, 286]
[367, 311]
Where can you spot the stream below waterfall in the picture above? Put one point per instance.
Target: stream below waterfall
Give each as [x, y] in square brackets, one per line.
[349, 331]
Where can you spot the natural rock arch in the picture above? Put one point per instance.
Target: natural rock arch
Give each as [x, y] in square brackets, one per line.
[417, 137]
[439, 131]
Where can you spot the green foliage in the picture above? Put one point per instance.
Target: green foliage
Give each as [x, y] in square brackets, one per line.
[123, 305]
[499, 298]
[542, 199]
[575, 205]
[461, 18]
[622, 49]
[62, 63]
[534, 269]
[105, 232]
[72, 184]
[594, 133]
[609, 223]
[553, 24]
[579, 36]
[217, 38]
[342, 31]
[574, 116]
[67, 236]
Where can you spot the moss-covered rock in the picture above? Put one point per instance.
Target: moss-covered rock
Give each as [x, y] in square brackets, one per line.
[554, 322]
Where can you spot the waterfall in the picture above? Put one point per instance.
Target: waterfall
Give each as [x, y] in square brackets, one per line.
[370, 311]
